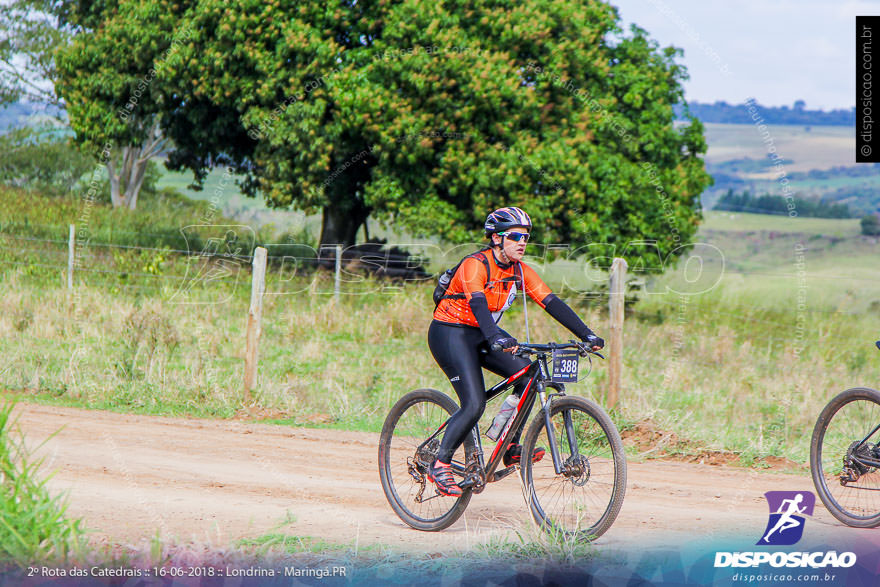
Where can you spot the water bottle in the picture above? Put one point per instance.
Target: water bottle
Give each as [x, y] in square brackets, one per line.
[503, 416]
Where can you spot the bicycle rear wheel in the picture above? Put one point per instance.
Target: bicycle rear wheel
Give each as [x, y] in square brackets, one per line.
[403, 465]
[841, 463]
[583, 501]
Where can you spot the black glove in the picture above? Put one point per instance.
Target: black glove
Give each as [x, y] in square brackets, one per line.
[504, 342]
[593, 340]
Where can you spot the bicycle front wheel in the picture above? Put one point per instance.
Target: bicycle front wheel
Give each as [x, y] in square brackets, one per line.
[843, 453]
[405, 453]
[583, 501]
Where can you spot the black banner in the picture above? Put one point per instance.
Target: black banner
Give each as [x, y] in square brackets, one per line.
[867, 115]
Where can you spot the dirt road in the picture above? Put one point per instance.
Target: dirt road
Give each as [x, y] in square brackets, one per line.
[217, 481]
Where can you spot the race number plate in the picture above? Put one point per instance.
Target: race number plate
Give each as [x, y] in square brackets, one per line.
[565, 366]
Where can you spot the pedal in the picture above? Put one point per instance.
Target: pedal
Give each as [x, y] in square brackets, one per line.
[499, 475]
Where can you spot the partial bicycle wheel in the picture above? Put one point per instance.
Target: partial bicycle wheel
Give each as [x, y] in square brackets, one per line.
[407, 446]
[583, 501]
[845, 457]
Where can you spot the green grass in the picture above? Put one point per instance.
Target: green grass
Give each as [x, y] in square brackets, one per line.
[759, 253]
[522, 543]
[291, 544]
[532, 544]
[33, 526]
[157, 221]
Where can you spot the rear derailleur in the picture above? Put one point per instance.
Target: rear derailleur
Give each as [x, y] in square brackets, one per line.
[418, 466]
[861, 459]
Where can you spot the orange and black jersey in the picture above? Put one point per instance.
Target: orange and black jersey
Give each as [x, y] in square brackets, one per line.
[499, 287]
[475, 298]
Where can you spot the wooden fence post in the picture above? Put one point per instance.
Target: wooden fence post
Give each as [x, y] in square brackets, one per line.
[71, 251]
[255, 314]
[615, 315]
[338, 272]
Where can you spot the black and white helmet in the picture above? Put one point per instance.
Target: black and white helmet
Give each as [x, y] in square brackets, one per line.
[504, 219]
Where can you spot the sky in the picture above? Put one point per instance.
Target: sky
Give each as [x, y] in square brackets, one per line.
[776, 51]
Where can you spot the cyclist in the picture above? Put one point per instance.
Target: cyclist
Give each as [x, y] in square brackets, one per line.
[465, 328]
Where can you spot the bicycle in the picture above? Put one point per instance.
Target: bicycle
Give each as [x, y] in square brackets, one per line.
[578, 487]
[845, 456]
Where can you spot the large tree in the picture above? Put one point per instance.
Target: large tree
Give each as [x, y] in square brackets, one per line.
[341, 107]
[109, 77]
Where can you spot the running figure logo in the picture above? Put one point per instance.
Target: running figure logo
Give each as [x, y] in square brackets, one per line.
[787, 509]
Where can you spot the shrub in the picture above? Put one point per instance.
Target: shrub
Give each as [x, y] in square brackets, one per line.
[43, 159]
[871, 225]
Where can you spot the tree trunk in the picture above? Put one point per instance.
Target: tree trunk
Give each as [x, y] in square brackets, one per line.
[126, 184]
[339, 226]
[135, 181]
[115, 196]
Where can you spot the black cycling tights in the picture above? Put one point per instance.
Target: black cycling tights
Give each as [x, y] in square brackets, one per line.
[461, 351]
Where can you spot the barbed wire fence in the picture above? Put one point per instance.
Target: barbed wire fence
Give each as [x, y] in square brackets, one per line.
[326, 260]
[331, 257]
[102, 273]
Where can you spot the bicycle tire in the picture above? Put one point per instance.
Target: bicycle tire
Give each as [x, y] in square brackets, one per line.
[602, 466]
[833, 435]
[395, 450]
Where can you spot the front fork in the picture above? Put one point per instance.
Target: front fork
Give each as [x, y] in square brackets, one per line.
[558, 465]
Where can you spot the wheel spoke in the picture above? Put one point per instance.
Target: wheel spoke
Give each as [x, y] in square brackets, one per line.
[410, 423]
[585, 498]
[836, 454]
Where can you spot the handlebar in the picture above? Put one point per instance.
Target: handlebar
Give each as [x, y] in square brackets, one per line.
[532, 349]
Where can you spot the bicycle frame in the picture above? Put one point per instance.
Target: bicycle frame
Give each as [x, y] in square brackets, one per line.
[536, 373]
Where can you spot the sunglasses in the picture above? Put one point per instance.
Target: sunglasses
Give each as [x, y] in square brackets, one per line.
[515, 236]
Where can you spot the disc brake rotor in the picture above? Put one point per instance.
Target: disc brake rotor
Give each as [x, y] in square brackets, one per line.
[577, 470]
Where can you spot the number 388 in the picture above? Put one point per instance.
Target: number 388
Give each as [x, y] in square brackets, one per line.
[568, 366]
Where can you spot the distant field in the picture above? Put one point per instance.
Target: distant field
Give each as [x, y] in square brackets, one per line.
[822, 147]
[760, 254]
[809, 185]
[740, 221]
